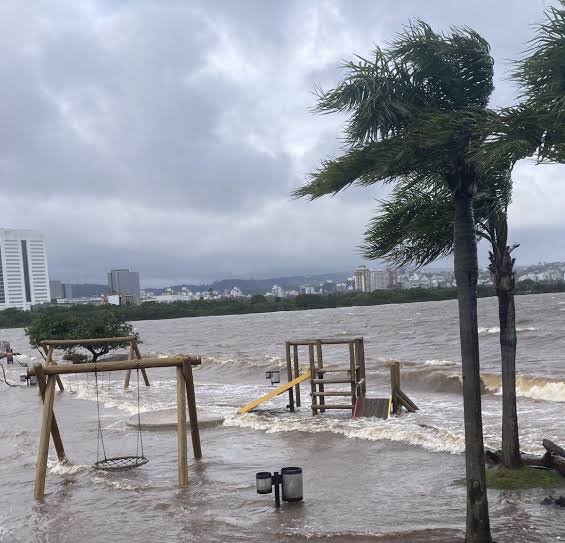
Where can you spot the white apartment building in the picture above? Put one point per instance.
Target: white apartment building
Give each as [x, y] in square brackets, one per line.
[24, 275]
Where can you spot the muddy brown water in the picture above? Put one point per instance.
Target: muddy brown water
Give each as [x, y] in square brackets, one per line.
[364, 480]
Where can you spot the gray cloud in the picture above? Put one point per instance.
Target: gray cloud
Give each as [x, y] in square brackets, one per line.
[167, 136]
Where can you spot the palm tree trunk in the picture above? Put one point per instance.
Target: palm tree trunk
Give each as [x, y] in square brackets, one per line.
[466, 274]
[510, 439]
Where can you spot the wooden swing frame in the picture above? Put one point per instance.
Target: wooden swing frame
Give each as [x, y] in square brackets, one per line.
[49, 345]
[47, 377]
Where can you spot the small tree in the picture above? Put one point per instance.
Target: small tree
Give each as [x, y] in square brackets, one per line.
[103, 323]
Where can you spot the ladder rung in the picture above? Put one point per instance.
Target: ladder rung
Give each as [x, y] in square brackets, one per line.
[331, 394]
[331, 369]
[334, 406]
[329, 381]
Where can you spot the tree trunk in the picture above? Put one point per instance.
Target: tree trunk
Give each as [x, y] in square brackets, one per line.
[510, 438]
[502, 270]
[466, 274]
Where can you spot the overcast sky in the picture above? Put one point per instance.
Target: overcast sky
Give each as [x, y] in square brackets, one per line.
[166, 136]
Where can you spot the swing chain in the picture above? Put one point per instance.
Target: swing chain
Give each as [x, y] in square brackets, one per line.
[139, 433]
[100, 434]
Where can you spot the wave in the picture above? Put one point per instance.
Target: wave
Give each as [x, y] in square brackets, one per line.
[528, 386]
[431, 377]
[496, 329]
[401, 430]
[440, 363]
[66, 468]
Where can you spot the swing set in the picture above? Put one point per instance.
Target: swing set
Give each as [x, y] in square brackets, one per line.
[48, 375]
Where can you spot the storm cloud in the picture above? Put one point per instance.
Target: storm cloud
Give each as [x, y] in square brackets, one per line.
[167, 136]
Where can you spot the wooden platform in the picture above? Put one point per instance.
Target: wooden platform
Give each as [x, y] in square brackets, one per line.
[374, 407]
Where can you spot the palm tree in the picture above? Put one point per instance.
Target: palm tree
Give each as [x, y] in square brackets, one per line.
[416, 111]
[416, 227]
[536, 127]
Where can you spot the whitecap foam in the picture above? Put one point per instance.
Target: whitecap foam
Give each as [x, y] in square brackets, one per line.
[491, 330]
[496, 329]
[440, 363]
[402, 431]
[119, 484]
[66, 468]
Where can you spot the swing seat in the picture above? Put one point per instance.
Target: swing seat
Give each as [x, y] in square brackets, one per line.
[121, 463]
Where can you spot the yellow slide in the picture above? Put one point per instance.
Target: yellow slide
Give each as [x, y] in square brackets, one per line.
[283, 388]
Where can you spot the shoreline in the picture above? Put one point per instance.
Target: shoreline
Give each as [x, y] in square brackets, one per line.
[16, 318]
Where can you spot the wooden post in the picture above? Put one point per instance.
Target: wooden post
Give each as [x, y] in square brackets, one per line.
[138, 356]
[296, 374]
[361, 363]
[312, 377]
[352, 370]
[46, 422]
[395, 385]
[320, 363]
[57, 441]
[128, 372]
[192, 414]
[289, 377]
[181, 429]
[49, 361]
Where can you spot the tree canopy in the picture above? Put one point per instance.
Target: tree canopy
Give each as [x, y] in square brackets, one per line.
[103, 323]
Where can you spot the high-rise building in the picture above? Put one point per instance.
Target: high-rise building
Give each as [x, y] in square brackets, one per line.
[378, 279]
[124, 282]
[24, 275]
[362, 279]
[56, 289]
[391, 278]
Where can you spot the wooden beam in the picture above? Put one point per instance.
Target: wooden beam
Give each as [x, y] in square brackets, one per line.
[296, 374]
[360, 352]
[551, 447]
[395, 385]
[49, 361]
[313, 379]
[43, 452]
[119, 365]
[289, 377]
[181, 429]
[320, 365]
[192, 413]
[86, 341]
[325, 341]
[138, 355]
[57, 441]
[407, 401]
[353, 374]
[128, 372]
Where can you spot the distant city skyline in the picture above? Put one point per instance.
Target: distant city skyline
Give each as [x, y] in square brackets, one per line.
[187, 177]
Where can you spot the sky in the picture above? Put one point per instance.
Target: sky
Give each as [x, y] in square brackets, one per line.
[167, 136]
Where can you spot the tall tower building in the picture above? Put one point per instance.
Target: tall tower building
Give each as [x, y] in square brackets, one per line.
[24, 275]
[124, 282]
[362, 279]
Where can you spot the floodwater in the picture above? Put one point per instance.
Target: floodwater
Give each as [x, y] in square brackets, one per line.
[364, 479]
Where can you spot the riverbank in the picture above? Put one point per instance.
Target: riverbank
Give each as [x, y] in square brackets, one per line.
[15, 318]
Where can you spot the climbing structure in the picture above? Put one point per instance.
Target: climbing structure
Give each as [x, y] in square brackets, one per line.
[335, 385]
[329, 383]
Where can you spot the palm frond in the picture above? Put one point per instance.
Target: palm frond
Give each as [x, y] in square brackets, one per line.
[415, 225]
